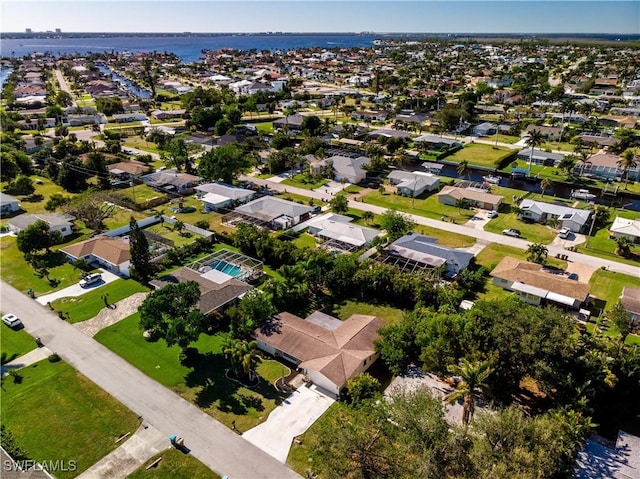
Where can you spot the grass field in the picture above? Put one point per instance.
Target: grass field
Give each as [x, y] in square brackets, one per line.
[533, 232]
[493, 253]
[14, 343]
[346, 308]
[174, 465]
[301, 181]
[204, 382]
[89, 304]
[480, 154]
[55, 413]
[142, 144]
[608, 286]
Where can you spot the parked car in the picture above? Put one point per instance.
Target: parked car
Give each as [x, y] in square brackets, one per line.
[492, 214]
[574, 276]
[90, 279]
[564, 233]
[512, 232]
[11, 320]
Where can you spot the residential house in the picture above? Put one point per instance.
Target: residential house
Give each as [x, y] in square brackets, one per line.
[338, 229]
[413, 184]
[534, 284]
[328, 351]
[433, 168]
[625, 228]
[484, 129]
[478, 198]
[551, 133]
[276, 213]
[167, 114]
[388, 133]
[291, 122]
[597, 139]
[110, 253]
[173, 181]
[606, 165]
[31, 145]
[216, 196]
[425, 251]
[370, 115]
[128, 117]
[630, 299]
[540, 157]
[125, 170]
[437, 143]
[599, 461]
[567, 217]
[218, 290]
[349, 169]
[8, 204]
[57, 222]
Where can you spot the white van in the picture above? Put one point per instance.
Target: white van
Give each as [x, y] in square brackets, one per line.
[90, 279]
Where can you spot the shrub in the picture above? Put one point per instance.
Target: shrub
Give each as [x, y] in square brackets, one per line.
[54, 358]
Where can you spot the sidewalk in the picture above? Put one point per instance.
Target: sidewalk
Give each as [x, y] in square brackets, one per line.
[38, 354]
[76, 290]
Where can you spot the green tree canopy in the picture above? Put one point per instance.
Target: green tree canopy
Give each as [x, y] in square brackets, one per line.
[142, 269]
[396, 224]
[37, 237]
[224, 163]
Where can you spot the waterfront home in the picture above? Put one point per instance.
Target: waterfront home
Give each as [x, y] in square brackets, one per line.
[540, 157]
[8, 204]
[327, 350]
[477, 197]
[57, 222]
[437, 143]
[625, 228]
[606, 165]
[540, 212]
[216, 196]
[413, 183]
[535, 284]
[424, 250]
[110, 253]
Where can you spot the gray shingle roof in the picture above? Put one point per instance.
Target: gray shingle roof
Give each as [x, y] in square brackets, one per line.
[424, 249]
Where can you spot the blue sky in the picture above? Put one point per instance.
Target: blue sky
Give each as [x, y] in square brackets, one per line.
[450, 16]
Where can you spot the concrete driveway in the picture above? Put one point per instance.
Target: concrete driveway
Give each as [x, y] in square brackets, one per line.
[293, 417]
[76, 290]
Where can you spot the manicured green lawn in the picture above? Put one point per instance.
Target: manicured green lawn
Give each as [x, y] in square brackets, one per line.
[141, 144]
[89, 304]
[428, 207]
[141, 193]
[34, 203]
[55, 413]
[14, 343]
[446, 238]
[492, 254]
[166, 231]
[602, 246]
[15, 270]
[301, 181]
[305, 240]
[300, 199]
[480, 154]
[608, 286]
[204, 382]
[174, 465]
[347, 308]
[533, 232]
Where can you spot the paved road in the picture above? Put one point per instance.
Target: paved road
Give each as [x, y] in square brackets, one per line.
[460, 229]
[210, 442]
[64, 87]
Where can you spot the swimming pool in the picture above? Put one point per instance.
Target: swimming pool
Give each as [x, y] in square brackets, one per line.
[227, 268]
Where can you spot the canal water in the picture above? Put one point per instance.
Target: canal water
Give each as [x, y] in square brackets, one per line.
[128, 84]
[4, 74]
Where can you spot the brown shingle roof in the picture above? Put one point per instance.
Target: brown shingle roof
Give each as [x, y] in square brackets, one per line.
[337, 354]
[533, 274]
[631, 299]
[112, 250]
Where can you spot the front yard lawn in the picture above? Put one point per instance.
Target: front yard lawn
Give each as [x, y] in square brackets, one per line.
[428, 207]
[608, 286]
[89, 304]
[174, 465]
[533, 232]
[301, 181]
[493, 253]
[14, 343]
[202, 382]
[55, 413]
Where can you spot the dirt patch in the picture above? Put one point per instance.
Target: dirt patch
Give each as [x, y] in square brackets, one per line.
[108, 316]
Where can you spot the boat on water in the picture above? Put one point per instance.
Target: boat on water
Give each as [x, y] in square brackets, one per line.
[582, 195]
[494, 180]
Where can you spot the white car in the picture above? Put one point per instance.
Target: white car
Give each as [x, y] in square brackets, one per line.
[492, 214]
[11, 320]
[564, 233]
[90, 279]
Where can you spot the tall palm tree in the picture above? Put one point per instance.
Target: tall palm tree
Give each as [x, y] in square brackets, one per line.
[249, 357]
[627, 162]
[537, 252]
[534, 139]
[473, 376]
[463, 169]
[545, 184]
[568, 106]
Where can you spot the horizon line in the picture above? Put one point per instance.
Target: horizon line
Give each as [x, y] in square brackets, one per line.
[365, 32]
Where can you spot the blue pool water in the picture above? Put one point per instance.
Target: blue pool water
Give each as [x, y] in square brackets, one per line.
[227, 268]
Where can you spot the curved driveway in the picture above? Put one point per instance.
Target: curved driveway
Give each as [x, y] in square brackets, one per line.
[213, 444]
[460, 229]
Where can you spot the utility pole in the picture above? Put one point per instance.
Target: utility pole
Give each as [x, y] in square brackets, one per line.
[593, 222]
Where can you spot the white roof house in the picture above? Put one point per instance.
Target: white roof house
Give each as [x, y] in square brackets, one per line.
[8, 204]
[337, 227]
[56, 222]
[413, 183]
[218, 195]
[571, 218]
[278, 213]
[625, 227]
[349, 169]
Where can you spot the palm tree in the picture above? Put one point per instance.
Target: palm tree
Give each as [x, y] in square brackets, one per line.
[627, 162]
[584, 151]
[566, 164]
[463, 169]
[473, 376]
[537, 252]
[534, 139]
[623, 246]
[178, 226]
[367, 216]
[568, 107]
[250, 358]
[545, 184]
